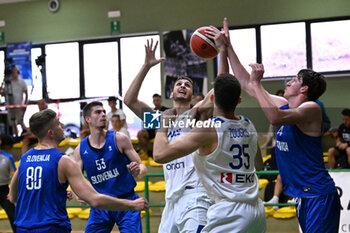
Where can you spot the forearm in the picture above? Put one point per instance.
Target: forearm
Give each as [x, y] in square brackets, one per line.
[223, 65]
[160, 143]
[204, 110]
[272, 112]
[131, 96]
[239, 71]
[13, 188]
[143, 171]
[102, 201]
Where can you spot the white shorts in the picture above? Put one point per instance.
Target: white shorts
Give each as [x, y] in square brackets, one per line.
[187, 214]
[226, 216]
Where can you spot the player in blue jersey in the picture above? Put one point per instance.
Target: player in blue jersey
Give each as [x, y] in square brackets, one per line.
[7, 169]
[298, 140]
[110, 162]
[42, 180]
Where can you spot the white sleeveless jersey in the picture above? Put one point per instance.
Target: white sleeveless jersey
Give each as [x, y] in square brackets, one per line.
[229, 173]
[179, 173]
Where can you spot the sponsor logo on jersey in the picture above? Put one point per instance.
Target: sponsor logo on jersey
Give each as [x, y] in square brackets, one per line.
[229, 178]
[175, 166]
[226, 178]
[85, 152]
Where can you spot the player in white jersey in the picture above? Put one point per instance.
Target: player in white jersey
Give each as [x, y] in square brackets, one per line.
[186, 199]
[224, 162]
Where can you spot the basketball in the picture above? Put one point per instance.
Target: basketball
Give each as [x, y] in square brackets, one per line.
[201, 45]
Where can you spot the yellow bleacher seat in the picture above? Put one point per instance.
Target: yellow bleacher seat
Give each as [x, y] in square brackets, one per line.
[325, 159]
[64, 142]
[143, 213]
[263, 183]
[266, 158]
[84, 214]
[153, 163]
[285, 212]
[140, 186]
[72, 212]
[17, 163]
[157, 186]
[3, 214]
[269, 211]
[17, 145]
[73, 141]
[152, 140]
[134, 141]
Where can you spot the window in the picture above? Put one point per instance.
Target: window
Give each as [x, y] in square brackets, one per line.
[283, 49]
[2, 70]
[330, 46]
[132, 58]
[101, 69]
[35, 92]
[62, 70]
[244, 44]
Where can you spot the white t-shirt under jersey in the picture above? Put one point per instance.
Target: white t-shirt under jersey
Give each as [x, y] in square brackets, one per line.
[229, 173]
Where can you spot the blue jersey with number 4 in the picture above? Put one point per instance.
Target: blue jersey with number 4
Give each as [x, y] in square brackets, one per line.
[41, 199]
[300, 162]
[106, 168]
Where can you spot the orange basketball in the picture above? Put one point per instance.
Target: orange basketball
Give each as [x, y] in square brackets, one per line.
[201, 45]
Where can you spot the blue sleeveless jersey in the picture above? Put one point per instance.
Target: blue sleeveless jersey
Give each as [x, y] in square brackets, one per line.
[300, 162]
[107, 169]
[41, 199]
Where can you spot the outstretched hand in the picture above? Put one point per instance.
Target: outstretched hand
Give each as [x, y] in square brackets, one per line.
[221, 38]
[257, 72]
[150, 58]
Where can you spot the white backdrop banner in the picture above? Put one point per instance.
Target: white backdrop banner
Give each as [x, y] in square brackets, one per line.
[342, 183]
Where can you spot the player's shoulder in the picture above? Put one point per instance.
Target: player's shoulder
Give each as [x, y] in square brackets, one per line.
[8, 155]
[310, 105]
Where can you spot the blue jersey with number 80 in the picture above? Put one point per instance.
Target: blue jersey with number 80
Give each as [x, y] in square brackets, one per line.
[41, 199]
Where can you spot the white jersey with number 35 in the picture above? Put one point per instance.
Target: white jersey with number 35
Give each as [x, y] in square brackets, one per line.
[229, 173]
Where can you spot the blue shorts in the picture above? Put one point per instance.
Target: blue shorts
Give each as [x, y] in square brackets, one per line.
[102, 221]
[319, 214]
[44, 229]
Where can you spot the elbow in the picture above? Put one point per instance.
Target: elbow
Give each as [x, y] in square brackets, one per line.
[127, 101]
[94, 202]
[158, 158]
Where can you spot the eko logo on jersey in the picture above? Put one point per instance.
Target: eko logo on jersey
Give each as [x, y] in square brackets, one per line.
[226, 178]
[151, 120]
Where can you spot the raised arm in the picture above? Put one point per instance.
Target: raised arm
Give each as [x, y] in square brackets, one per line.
[204, 109]
[164, 152]
[299, 115]
[136, 167]
[131, 96]
[68, 170]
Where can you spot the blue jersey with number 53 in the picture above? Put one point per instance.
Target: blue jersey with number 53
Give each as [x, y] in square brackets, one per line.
[106, 168]
[41, 199]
